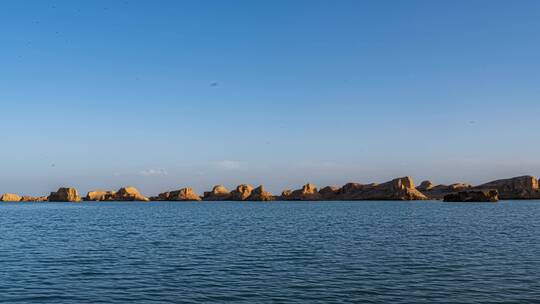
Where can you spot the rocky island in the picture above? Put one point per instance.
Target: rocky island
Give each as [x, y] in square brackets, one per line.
[399, 189]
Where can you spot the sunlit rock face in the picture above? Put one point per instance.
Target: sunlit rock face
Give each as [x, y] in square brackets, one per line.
[123, 194]
[218, 193]
[241, 193]
[522, 187]
[260, 194]
[26, 198]
[473, 196]
[99, 195]
[398, 189]
[10, 197]
[184, 194]
[65, 195]
[307, 193]
[128, 194]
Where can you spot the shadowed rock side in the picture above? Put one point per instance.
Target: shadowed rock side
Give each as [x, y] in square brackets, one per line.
[241, 193]
[473, 196]
[260, 194]
[64, 195]
[522, 187]
[10, 197]
[438, 192]
[218, 193]
[397, 189]
[307, 193]
[329, 193]
[184, 194]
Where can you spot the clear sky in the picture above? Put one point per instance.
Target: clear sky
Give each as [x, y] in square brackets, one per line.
[166, 94]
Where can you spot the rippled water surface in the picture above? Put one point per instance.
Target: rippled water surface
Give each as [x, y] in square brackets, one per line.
[324, 252]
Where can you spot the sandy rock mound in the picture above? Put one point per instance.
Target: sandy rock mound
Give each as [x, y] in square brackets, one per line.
[241, 193]
[184, 194]
[307, 193]
[65, 195]
[129, 194]
[218, 193]
[10, 197]
[33, 199]
[260, 194]
[398, 189]
[99, 195]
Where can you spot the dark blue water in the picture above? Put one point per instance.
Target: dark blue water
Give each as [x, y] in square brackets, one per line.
[358, 252]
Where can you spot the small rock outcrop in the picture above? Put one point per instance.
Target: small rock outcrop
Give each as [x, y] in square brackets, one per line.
[473, 196]
[33, 198]
[184, 194]
[438, 192]
[129, 194]
[330, 193]
[10, 197]
[260, 194]
[398, 189]
[285, 195]
[522, 187]
[100, 195]
[64, 195]
[425, 186]
[218, 193]
[241, 193]
[307, 193]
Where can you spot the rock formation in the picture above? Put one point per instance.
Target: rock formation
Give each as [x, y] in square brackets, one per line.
[522, 187]
[123, 194]
[184, 194]
[33, 199]
[425, 186]
[9, 197]
[473, 196]
[218, 193]
[100, 195]
[439, 191]
[307, 193]
[397, 189]
[285, 194]
[241, 193]
[329, 193]
[129, 194]
[64, 195]
[260, 194]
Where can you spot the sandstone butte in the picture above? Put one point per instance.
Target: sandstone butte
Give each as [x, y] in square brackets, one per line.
[404, 189]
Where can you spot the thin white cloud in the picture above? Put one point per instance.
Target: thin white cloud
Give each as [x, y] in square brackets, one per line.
[153, 172]
[228, 164]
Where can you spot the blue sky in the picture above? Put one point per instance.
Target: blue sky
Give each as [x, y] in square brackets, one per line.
[166, 94]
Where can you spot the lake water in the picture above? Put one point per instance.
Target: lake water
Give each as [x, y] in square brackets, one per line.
[294, 252]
